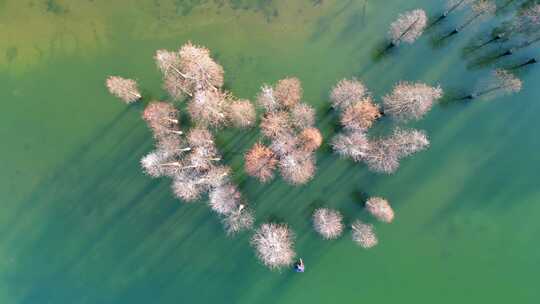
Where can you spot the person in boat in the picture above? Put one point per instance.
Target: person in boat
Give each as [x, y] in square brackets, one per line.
[299, 266]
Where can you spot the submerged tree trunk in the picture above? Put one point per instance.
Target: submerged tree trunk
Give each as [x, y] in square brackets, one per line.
[496, 38]
[528, 62]
[505, 54]
[447, 12]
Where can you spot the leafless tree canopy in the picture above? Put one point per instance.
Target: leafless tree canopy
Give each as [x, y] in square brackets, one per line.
[162, 118]
[267, 99]
[239, 219]
[273, 244]
[303, 116]
[289, 126]
[360, 115]
[382, 157]
[500, 82]
[346, 92]
[407, 142]
[364, 234]
[241, 113]
[527, 22]
[354, 145]
[276, 124]
[480, 9]
[260, 162]
[297, 168]
[224, 199]
[408, 27]
[384, 154]
[288, 92]
[285, 144]
[193, 168]
[153, 163]
[191, 72]
[328, 223]
[410, 100]
[380, 209]
[125, 89]
[454, 5]
[311, 139]
[208, 108]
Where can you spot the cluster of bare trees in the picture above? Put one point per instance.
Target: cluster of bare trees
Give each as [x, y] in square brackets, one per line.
[192, 73]
[358, 113]
[328, 223]
[290, 138]
[192, 160]
[519, 32]
[193, 165]
[289, 126]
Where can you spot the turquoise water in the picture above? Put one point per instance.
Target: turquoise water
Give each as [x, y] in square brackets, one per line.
[80, 223]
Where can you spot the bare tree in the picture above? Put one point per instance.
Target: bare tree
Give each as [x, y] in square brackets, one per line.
[310, 139]
[527, 22]
[302, 116]
[452, 6]
[354, 145]
[188, 71]
[384, 155]
[267, 99]
[285, 144]
[500, 82]
[328, 223]
[346, 92]
[189, 185]
[239, 219]
[275, 124]
[408, 27]
[241, 113]
[361, 115]
[208, 108]
[407, 142]
[380, 209]
[297, 168]
[410, 100]
[162, 118]
[200, 137]
[273, 245]
[167, 61]
[155, 163]
[260, 162]
[480, 9]
[199, 67]
[288, 92]
[125, 89]
[187, 189]
[224, 199]
[364, 234]
[171, 143]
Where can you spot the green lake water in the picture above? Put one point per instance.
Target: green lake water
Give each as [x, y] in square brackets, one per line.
[80, 223]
